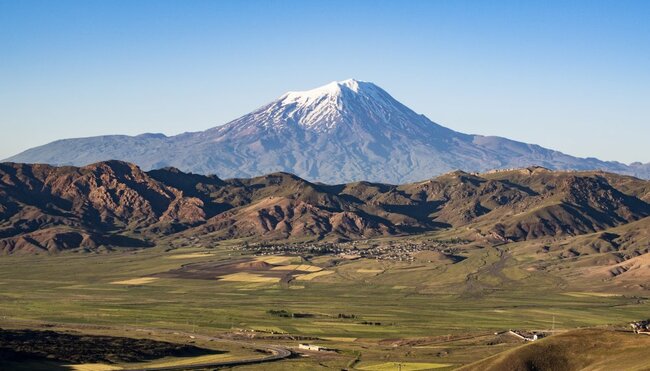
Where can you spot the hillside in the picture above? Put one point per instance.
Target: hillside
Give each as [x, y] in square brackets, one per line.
[115, 204]
[592, 349]
[45, 208]
[337, 133]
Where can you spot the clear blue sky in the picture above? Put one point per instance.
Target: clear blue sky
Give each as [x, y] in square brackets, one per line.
[569, 75]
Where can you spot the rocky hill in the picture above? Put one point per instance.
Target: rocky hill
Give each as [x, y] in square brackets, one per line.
[115, 204]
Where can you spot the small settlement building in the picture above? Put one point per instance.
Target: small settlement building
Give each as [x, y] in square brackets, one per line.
[527, 336]
[312, 347]
[641, 327]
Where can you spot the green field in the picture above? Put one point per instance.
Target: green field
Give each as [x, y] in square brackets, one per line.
[372, 311]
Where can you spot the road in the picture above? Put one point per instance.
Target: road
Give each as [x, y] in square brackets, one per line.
[275, 352]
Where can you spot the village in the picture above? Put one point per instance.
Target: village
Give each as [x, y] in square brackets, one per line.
[392, 251]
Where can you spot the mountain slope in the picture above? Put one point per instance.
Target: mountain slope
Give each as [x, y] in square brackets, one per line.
[341, 132]
[45, 208]
[590, 349]
[116, 204]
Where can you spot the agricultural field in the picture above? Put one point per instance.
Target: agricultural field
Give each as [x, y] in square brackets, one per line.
[430, 313]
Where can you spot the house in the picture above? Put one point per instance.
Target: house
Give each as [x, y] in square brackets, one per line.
[525, 335]
[314, 348]
[641, 327]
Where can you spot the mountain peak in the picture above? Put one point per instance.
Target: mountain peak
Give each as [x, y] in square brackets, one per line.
[327, 107]
[333, 88]
[342, 131]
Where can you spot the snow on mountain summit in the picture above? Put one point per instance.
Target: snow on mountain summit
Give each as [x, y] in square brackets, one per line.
[318, 109]
[333, 89]
[340, 132]
[337, 93]
[332, 106]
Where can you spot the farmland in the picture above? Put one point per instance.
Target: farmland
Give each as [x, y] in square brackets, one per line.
[374, 312]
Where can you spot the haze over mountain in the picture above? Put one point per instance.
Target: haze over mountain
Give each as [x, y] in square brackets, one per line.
[341, 132]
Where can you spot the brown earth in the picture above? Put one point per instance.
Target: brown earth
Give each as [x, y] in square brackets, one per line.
[213, 270]
[592, 349]
[114, 204]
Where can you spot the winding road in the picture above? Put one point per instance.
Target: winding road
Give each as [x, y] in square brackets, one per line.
[274, 352]
[277, 353]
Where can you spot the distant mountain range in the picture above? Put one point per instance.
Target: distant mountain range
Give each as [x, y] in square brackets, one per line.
[341, 132]
[115, 204]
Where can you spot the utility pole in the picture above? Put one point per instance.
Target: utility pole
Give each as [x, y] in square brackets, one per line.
[553, 323]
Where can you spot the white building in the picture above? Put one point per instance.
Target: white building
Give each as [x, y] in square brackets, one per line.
[311, 347]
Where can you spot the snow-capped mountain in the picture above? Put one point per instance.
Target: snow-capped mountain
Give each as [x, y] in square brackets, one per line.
[348, 102]
[334, 107]
[340, 132]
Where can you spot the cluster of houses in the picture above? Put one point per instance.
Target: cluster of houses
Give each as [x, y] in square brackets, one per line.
[641, 327]
[395, 251]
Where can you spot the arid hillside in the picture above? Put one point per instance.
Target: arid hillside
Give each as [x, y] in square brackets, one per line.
[591, 349]
[116, 205]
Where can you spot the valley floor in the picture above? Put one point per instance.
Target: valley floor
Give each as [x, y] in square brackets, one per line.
[429, 313]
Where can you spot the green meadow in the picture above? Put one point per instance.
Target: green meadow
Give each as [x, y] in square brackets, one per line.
[363, 307]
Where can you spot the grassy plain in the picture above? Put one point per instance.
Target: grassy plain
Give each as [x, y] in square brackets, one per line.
[374, 312]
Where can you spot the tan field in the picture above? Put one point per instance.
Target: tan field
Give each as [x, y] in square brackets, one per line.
[277, 259]
[369, 270]
[311, 276]
[186, 362]
[297, 267]
[404, 366]
[248, 277]
[190, 255]
[136, 281]
[93, 367]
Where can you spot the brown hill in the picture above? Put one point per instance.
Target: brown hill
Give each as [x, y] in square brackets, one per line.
[52, 208]
[564, 203]
[286, 218]
[45, 208]
[592, 349]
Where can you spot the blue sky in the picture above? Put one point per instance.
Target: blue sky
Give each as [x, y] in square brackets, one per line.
[569, 75]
